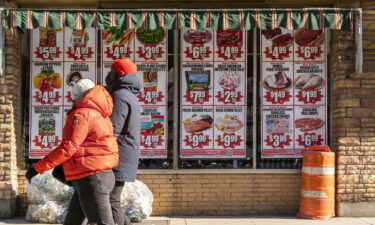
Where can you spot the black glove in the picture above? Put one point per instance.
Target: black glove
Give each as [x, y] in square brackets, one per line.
[30, 174]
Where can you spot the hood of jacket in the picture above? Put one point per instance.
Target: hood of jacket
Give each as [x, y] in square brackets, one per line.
[129, 82]
[98, 99]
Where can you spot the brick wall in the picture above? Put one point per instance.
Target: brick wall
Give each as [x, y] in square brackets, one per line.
[354, 120]
[214, 194]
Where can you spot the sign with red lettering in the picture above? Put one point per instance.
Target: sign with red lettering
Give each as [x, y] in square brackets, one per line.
[47, 44]
[80, 45]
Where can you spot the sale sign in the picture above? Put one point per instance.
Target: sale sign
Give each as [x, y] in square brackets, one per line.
[293, 87]
[45, 129]
[213, 94]
[47, 44]
[80, 45]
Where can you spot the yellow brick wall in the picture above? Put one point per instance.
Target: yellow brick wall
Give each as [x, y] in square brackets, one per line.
[214, 194]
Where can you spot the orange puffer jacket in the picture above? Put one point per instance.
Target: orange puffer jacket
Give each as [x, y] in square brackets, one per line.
[88, 145]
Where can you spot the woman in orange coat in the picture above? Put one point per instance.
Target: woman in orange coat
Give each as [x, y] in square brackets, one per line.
[88, 152]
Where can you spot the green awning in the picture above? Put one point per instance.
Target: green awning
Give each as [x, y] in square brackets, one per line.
[310, 18]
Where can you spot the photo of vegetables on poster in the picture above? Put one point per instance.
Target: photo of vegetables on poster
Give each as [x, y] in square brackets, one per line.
[118, 43]
[213, 94]
[296, 80]
[45, 130]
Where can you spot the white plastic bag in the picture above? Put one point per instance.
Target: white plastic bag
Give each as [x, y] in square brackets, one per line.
[49, 212]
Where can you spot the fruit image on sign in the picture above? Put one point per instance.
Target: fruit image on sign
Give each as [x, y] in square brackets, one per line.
[47, 80]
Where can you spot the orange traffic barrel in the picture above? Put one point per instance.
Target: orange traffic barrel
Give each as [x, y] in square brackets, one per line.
[318, 183]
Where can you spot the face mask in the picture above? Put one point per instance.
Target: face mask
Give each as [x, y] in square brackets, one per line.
[111, 76]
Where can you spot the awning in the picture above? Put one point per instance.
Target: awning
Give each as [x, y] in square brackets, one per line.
[310, 18]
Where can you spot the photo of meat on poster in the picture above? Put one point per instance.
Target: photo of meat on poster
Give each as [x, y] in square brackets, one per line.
[151, 44]
[46, 83]
[276, 83]
[45, 130]
[153, 76]
[196, 131]
[230, 131]
[47, 44]
[277, 45]
[230, 45]
[197, 83]
[277, 132]
[153, 139]
[80, 45]
[118, 44]
[310, 45]
[75, 71]
[310, 124]
[230, 83]
[310, 83]
[197, 45]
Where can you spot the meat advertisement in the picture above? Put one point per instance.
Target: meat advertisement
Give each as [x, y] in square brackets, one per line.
[47, 44]
[77, 70]
[45, 130]
[277, 45]
[58, 57]
[297, 82]
[148, 50]
[213, 94]
[80, 45]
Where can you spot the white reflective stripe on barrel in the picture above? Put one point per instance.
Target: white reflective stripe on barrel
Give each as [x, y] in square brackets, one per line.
[319, 170]
[313, 194]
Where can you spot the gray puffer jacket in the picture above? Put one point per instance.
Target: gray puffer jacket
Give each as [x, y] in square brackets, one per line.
[126, 125]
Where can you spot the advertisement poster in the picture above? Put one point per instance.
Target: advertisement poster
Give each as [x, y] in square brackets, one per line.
[56, 54]
[148, 49]
[293, 91]
[213, 94]
[45, 129]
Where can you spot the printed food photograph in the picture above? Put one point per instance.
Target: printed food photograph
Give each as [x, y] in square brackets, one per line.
[46, 125]
[73, 77]
[308, 37]
[117, 36]
[278, 80]
[197, 36]
[79, 38]
[229, 37]
[47, 80]
[229, 81]
[197, 123]
[277, 125]
[309, 81]
[229, 123]
[153, 127]
[309, 124]
[198, 80]
[277, 37]
[148, 36]
[47, 37]
[150, 80]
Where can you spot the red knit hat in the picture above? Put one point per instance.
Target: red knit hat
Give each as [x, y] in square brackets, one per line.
[124, 66]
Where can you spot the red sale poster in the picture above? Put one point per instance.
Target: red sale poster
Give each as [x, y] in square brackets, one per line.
[213, 94]
[293, 91]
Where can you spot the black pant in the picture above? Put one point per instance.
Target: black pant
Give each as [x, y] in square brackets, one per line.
[91, 200]
[115, 197]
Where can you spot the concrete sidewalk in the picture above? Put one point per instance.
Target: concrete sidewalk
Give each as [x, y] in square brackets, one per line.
[264, 220]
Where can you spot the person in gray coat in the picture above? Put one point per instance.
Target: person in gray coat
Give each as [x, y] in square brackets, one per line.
[123, 85]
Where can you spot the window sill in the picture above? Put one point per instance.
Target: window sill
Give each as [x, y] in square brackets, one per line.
[221, 171]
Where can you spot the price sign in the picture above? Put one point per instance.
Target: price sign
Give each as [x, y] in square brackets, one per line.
[229, 52]
[309, 139]
[46, 141]
[229, 140]
[150, 97]
[277, 52]
[229, 96]
[47, 98]
[277, 96]
[118, 52]
[197, 96]
[197, 140]
[80, 52]
[47, 52]
[151, 141]
[278, 140]
[309, 52]
[150, 52]
[197, 52]
[309, 96]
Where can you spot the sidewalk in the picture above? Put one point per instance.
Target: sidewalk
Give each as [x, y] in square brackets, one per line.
[264, 220]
